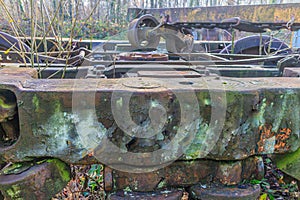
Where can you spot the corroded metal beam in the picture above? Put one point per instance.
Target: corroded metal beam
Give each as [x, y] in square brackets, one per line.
[252, 13]
[211, 126]
[82, 121]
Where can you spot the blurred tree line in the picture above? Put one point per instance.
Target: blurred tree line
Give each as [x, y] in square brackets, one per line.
[86, 19]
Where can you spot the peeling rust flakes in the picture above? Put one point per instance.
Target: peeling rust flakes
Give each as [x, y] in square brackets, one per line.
[280, 139]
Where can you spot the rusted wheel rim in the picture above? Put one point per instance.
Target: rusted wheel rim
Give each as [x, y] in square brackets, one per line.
[41, 181]
[138, 32]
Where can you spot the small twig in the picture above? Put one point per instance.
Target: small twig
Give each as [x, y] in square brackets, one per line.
[5, 167]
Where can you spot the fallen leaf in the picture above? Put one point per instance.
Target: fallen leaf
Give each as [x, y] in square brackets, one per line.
[263, 196]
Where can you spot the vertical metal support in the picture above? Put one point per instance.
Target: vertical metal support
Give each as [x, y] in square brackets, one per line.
[270, 44]
[260, 44]
[232, 40]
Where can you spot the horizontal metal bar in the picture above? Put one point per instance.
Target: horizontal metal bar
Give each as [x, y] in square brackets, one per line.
[253, 13]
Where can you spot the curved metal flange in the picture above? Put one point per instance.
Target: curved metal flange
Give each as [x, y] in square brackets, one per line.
[252, 44]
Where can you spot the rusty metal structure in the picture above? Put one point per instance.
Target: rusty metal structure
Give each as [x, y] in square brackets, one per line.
[145, 32]
[252, 13]
[161, 123]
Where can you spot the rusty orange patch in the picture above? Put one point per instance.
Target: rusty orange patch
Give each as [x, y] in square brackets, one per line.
[281, 138]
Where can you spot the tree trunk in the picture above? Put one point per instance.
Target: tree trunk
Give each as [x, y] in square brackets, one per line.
[151, 3]
[20, 9]
[160, 4]
[112, 11]
[54, 5]
[99, 10]
[118, 12]
[142, 4]
[70, 8]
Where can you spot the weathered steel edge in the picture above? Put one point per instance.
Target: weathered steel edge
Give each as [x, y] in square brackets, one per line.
[109, 85]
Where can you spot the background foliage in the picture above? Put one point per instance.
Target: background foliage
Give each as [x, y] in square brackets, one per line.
[87, 19]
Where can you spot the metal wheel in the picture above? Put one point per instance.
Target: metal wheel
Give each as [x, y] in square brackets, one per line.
[251, 44]
[138, 32]
[30, 180]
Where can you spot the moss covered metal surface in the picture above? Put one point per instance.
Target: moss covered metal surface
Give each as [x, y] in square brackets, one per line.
[217, 123]
[40, 181]
[290, 163]
[261, 116]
